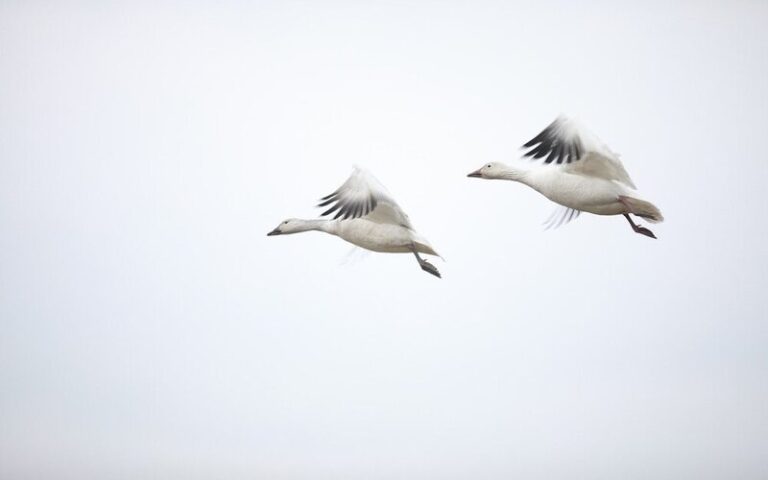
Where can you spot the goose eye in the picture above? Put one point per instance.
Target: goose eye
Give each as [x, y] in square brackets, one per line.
[489, 165]
[285, 222]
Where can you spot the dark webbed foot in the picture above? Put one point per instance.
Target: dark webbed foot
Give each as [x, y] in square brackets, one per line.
[639, 229]
[429, 268]
[425, 265]
[644, 231]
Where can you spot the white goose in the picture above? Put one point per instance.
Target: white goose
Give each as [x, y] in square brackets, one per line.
[367, 217]
[580, 173]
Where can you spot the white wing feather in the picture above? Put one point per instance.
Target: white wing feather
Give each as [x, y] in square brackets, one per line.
[560, 216]
[362, 195]
[566, 143]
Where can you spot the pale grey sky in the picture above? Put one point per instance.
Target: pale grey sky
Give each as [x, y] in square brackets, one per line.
[150, 329]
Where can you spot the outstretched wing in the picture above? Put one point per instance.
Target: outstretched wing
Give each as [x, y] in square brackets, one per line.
[559, 142]
[560, 216]
[364, 196]
[565, 142]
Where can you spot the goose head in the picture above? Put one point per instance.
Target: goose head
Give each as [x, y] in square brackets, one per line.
[489, 171]
[292, 225]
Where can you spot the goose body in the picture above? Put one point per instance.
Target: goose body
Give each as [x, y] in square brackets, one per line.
[380, 237]
[368, 217]
[593, 195]
[579, 173]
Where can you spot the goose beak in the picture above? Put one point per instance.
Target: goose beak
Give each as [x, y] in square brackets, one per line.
[274, 232]
[476, 174]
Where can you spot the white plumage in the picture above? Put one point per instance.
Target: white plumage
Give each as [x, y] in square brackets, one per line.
[365, 215]
[578, 172]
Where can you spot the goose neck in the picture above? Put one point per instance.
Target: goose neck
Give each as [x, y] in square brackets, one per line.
[320, 225]
[515, 174]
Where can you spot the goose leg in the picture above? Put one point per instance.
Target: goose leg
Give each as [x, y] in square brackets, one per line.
[425, 265]
[639, 229]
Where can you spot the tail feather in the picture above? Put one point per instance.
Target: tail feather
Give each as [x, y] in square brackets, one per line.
[644, 209]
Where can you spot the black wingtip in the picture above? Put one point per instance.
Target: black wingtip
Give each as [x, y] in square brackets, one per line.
[330, 195]
[537, 139]
[554, 146]
[330, 210]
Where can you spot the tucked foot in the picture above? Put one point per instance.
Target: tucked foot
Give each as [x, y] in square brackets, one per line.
[429, 268]
[644, 231]
[638, 228]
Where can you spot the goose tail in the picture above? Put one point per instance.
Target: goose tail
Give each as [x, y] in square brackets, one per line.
[644, 209]
[431, 251]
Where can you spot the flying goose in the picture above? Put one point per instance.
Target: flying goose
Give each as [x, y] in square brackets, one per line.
[366, 216]
[580, 173]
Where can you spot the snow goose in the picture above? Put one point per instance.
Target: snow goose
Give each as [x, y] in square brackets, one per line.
[579, 173]
[366, 216]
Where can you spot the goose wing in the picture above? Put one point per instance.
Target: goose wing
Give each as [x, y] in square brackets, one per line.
[567, 144]
[364, 196]
[560, 216]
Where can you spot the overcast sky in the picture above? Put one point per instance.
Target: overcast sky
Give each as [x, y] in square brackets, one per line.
[150, 329]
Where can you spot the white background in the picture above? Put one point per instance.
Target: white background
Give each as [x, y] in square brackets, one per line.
[150, 329]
